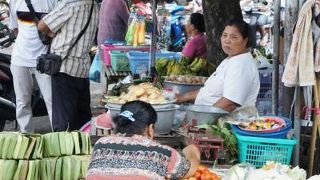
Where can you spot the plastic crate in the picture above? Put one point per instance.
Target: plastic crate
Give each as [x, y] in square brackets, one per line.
[139, 61]
[257, 150]
[282, 134]
[106, 48]
[119, 61]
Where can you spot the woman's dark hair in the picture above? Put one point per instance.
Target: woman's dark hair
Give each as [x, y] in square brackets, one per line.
[242, 27]
[197, 20]
[143, 115]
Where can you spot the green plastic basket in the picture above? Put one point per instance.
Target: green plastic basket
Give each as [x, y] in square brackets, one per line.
[257, 150]
[119, 61]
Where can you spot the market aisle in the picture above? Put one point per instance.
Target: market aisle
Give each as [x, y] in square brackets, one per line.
[42, 124]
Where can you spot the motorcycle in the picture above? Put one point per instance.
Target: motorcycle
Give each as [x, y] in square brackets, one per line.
[7, 95]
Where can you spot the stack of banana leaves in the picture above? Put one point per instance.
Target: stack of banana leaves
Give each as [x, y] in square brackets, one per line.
[53, 156]
[184, 66]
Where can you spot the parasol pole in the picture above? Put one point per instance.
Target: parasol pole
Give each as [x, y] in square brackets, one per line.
[276, 42]
[152, 69]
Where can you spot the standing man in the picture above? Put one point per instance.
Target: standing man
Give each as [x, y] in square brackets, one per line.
[113, 25]
[70, 87]
[26, 49]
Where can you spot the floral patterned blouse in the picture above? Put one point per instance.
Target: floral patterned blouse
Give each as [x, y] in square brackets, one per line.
[135, 158]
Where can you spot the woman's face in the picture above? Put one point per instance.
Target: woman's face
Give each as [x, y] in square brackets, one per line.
[232, 41]
[189, 28]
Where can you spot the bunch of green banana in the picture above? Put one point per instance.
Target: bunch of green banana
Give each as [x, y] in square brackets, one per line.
[170, 67]
[198, 64]
[161, 66]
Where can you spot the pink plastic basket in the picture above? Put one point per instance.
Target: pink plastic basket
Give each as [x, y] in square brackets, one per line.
[107, 48]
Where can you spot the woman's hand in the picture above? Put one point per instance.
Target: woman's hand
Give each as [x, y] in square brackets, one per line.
[192, 153]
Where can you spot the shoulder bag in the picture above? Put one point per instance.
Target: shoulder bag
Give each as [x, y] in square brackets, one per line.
[51, 63]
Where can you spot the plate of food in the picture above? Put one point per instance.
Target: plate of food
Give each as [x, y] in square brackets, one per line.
[264, 125]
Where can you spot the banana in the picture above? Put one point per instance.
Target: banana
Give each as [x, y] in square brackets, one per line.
[198, 66]
[194, 62]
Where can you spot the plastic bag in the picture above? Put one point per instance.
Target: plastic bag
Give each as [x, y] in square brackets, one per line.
[95, 69]
[261, 60]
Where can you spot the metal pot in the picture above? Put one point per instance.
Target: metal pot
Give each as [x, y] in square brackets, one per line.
[165, 118]
[204, 114]
[182, 88]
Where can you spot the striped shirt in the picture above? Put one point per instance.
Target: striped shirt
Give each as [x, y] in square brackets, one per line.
[67, 20]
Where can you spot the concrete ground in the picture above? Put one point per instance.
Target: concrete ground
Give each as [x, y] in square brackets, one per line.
[42, 124]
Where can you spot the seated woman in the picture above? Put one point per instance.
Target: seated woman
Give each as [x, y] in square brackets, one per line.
[235, 83]
[196, 46]
[132, 153]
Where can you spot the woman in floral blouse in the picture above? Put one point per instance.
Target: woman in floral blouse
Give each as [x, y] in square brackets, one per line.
[131, 154]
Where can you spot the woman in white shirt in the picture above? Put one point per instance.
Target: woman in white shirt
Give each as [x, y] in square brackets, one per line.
[235, 83]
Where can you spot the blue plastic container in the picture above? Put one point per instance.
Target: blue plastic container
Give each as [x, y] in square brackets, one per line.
[282, 134]
[257, 150]
[139, 61]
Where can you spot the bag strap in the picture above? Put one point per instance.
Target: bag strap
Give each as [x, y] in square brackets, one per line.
[82, 31]
[32, 11]
[37, 19]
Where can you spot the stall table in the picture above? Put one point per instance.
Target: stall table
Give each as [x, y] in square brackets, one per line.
[113, 76]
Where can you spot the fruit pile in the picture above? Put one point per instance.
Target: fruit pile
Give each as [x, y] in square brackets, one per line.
[203, 173]
[186, 79]
[184, 66]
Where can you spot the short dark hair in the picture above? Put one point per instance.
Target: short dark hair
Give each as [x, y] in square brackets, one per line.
[197, 20]
[242, 27]
[142, 113]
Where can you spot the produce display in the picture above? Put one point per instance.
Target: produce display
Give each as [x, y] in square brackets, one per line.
[184, 66]
[144, 92]
[203, 173]
[267, 124]
[186, 79]
[271, 171]
[136, 32]
[61, 155]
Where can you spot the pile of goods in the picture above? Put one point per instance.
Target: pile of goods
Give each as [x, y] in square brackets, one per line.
[184, 66]
[186, 79]
[144, 92]
[136, 32]
[264, 125]
[203, 173]
[271, 171]
[63, 155]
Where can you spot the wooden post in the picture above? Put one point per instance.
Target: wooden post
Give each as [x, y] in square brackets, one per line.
[291, 16]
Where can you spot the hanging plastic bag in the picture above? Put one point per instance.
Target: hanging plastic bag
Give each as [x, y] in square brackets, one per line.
[262, 61]
[95, 69]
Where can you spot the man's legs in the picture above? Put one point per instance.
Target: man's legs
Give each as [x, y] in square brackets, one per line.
[23, 85]
[44, 82]
[83, 113]
[64, 101]
[70, 102]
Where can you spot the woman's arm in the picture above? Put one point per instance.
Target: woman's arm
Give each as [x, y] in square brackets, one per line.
[192, 154]
[225, 104]
[188, 97]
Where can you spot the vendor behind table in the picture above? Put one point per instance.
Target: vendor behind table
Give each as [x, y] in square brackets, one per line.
[235, 83]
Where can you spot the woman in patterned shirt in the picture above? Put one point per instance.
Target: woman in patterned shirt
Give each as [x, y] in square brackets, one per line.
[133, 155]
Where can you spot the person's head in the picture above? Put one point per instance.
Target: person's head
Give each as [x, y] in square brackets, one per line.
[195, 24]
[234, 38]
[136, 118]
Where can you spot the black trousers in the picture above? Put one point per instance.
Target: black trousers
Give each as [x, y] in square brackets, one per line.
[70, 102]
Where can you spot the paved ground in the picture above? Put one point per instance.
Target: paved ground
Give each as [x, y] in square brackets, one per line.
[42, 124]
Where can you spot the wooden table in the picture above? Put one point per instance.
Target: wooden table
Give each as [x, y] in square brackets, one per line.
[113, 76]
